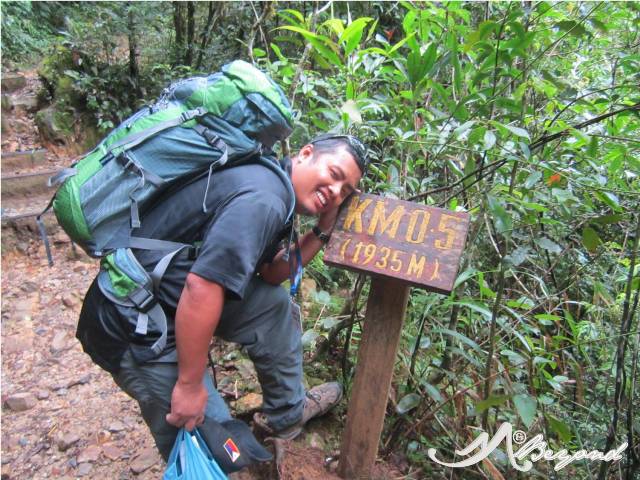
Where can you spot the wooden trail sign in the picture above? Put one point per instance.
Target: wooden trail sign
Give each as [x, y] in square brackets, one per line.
[396, 239]
[401, 244]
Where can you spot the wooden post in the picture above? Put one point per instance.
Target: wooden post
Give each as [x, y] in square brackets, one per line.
[382, 326]
[401, 244]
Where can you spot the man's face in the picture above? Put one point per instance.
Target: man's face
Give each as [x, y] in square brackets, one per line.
[323, 181]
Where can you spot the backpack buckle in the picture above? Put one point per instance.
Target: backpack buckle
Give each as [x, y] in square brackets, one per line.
[193, 251]
[143, 299]
[191, 114]
[126, 162]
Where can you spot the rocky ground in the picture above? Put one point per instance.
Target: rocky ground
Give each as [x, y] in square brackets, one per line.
[63, 417]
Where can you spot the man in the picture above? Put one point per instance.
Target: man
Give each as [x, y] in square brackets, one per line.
[231, 290]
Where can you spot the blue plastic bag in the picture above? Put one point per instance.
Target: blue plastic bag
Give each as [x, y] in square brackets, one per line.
[191, 459]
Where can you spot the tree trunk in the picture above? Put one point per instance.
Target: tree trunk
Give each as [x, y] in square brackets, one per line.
[178, 24]
[188, 57]
[206, 30]
[134, 73]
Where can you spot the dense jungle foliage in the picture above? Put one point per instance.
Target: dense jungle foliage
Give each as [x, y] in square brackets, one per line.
[525, 114]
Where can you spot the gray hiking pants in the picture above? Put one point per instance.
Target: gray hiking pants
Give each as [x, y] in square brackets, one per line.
[263, 323]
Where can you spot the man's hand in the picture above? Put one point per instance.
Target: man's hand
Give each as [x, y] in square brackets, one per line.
[188, 403]
[327, 220]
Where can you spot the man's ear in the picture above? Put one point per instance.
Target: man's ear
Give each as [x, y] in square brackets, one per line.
[306, 153]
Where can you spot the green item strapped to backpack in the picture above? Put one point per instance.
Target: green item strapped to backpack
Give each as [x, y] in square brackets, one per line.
[197, 125]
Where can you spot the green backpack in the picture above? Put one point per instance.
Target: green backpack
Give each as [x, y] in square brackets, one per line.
[197, 125]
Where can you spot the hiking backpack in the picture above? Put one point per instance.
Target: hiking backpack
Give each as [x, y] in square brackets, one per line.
[197, 125]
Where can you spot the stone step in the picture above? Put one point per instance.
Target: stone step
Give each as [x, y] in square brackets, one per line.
[12, 82]
[26, 184]
[12, 161]
[20, 228]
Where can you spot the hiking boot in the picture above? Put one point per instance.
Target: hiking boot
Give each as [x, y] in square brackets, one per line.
[319, 400]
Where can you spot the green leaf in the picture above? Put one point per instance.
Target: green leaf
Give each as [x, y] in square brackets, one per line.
[408, 403]
[489, 139]
[463, 128]
[433, 392]
[463, 277]
[500, 215]
[295, 13]
[548, 316]
[278, 53]
[328, 323]
[563, 431]
[323, 297]
[479, 307]
[548, 245]
[457, 335]
[351, 109]
[336, 25]
[610, 199]
[590, 239]
[309, 337]
[353, 34]
[576, 29]
[532, 179]
[323, 45]
[492, 401]
[520, 132]
[608, 219]
[526, 406]
[401, 43]
[518, 256]
[469, 168]
[455, 62]
[418, 65]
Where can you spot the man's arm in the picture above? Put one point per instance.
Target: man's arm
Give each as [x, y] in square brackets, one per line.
[197, 317]
[277, 271]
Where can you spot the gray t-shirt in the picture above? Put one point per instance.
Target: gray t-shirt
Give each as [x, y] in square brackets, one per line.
[247, 208]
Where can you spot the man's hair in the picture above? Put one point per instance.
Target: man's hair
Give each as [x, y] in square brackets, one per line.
[330, 142]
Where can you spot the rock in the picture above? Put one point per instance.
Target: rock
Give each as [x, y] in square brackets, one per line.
[29, 287]
[84, 469]
[28, 103]
[12, 82]
[246, 368]
[59, 342]
[42, 394]
[17, 344]
[116, 426]
[67, 440]
[7, 104]
[20, 402]
[58, 238]
[21, 127]
[89, 454]
[147, 459]
[54, 126]
[111, 451]
[248, 403]
[308, 287]
[315, 441]
[103, 436]
[68, 301]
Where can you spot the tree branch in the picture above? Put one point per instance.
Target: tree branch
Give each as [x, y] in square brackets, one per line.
[548, 138]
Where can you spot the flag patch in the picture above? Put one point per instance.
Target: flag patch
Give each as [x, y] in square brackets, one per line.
[231, 450]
